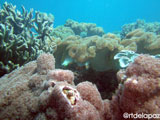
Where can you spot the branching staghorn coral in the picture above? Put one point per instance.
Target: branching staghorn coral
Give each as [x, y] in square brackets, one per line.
[18, 42]
[43, 25]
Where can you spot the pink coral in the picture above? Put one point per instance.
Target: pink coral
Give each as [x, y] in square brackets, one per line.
[40, 90]
[61, 75]
[69, 104]
[43, 92]
[141, 88]
[90, 93]
[107, 111]
[45, 62]
[144, 64]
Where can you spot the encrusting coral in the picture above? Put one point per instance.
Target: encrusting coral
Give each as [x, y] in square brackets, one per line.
[39, 91]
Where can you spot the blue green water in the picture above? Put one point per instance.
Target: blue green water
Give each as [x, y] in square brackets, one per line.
[109, 14]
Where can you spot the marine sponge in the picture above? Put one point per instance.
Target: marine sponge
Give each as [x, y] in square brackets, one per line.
[17, 101]
[28, 93]
[107, 110]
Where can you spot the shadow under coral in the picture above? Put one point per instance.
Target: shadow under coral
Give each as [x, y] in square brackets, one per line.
[105, 81]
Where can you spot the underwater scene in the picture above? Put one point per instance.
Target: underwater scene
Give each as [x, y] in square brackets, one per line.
[80, 60]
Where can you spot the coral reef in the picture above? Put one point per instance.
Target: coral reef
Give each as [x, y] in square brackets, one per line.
[89, 51]
[23, 37]
[98, 52]
[29, 93]
[84, 29]
[140, 24]
[19, 44]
